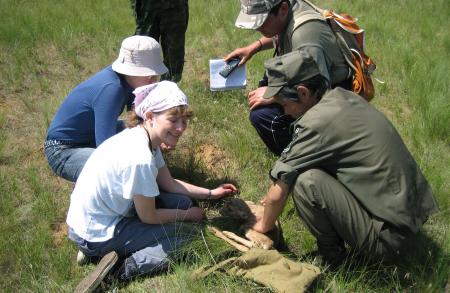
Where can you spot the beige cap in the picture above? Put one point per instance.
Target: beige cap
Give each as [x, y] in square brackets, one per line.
[139, 56]
[254, 12]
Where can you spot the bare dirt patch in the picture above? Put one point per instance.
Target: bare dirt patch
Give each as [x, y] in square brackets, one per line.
[407, 111]
[387, 111]
[212, 157]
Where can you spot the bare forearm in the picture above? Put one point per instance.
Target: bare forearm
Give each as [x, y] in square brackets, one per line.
[266, 43]
[167, 183]
[274, 203]
[260, 44]
[188, 189]
[163, 216]
[271, 213]
[198, 192]
[148, 213]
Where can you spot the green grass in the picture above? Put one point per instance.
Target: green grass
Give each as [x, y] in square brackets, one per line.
[47, 47]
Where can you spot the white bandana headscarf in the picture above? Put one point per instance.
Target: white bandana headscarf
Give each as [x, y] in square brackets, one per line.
[158, 97]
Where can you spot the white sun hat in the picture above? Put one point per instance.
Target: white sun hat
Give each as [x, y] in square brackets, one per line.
[139, 56]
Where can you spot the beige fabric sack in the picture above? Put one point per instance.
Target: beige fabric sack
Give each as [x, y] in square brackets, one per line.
[269, 268]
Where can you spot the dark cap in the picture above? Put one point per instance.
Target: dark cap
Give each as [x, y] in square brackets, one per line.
[289, 70]
[254, 12]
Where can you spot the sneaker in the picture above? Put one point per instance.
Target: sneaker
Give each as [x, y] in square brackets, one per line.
[93, 280]
[82, 258]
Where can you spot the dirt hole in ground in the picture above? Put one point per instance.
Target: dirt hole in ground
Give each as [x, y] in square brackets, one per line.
[213, 158]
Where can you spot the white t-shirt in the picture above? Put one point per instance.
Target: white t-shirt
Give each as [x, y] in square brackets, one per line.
[121, 167]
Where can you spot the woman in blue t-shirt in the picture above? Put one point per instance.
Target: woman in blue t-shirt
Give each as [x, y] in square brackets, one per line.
[89, 114]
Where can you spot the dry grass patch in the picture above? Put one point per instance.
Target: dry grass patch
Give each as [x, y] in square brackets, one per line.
[407, 112]
[59, 232]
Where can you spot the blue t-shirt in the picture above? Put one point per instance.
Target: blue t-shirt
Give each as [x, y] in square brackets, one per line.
[89, 114]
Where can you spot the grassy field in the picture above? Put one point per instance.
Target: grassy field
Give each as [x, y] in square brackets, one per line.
[47, 47]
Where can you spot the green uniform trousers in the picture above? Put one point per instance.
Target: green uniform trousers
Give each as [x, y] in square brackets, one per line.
[334, 216]
[166, 22]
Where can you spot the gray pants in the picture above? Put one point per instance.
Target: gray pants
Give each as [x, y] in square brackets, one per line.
[334, 216]
[146, 248]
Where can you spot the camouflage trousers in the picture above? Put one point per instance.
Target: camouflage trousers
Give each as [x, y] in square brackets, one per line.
[166, 22]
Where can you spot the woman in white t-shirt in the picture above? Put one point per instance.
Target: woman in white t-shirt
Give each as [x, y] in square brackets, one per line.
[117, 208]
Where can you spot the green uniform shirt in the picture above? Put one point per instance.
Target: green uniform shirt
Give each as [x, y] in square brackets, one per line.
[351, 140]
[316, 37]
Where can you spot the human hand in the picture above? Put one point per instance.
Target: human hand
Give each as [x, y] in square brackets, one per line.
[260, 227]
[194, 214]
[255, 98]
[166, 148]
[263, 201]
[223, 190]
[244, 53]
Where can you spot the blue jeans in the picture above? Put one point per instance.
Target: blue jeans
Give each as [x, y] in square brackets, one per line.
[146, 247]
[273, 126]
[67, 161]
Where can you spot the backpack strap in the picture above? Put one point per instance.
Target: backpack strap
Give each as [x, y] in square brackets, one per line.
[305, 16]
[345, 49]
[318, 9]
[300, 17]
[350, 39]
[321, 14]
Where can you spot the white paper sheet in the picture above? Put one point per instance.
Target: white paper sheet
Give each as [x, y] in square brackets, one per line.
[236, 80]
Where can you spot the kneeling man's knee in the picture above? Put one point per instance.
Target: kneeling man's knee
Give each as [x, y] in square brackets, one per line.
[305, 188]
[311, 176]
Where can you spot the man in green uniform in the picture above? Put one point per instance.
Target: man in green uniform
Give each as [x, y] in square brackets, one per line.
[287, 26]
[166, 22]
[351, 176]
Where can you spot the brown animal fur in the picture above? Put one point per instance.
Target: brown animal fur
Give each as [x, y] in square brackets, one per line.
[247, 212]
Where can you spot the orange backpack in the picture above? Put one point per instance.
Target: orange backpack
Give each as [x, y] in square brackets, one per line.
[350, 38]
